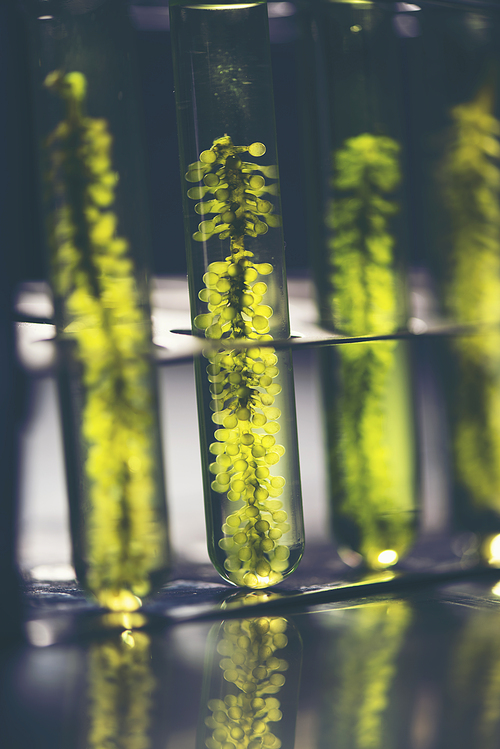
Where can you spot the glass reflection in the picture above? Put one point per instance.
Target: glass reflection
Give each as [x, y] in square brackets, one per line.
[90, 160]
[454, 106]
[250, 695]
[361, 668]
[121, 687]
[475, 684]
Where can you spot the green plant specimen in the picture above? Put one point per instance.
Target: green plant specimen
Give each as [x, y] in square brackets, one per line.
[120, 688]
[253, 670]
[470, 183]
[364, 667]
[363, 300]
[363, 281]
[103, 318]
[241, 380]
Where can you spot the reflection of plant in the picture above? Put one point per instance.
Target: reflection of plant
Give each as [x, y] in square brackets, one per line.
[241, 381]
[103, 316]
[120, 689]
[470, 179]
[475, 683]
[249, 662]
[363, 301]
[364, 668]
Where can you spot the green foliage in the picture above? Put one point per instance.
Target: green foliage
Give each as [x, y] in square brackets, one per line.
[250, 664]
[366, 171]
[470, 182]
[93, 277]
[238, 204]
[363, 300]
[241, 380]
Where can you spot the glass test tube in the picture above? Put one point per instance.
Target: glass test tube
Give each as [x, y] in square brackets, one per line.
[90, 157]
[351, 86]
[466, 369]
[238, 289]
[355, 170]
[455, 105]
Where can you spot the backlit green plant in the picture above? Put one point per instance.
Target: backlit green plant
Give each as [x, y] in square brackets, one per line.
[470, 182]
[363, 281]
[100, 305]
[241, 380]
[253, 671]
[364, 301]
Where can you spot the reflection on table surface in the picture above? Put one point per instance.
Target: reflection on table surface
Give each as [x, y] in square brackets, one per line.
[335, 657]
[419, 670]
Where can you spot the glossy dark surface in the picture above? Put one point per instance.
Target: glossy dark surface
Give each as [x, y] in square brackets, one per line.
[416, 667]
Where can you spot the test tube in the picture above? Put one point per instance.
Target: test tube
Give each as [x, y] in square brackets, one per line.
[238, 290]
[454, 104]
[90, 164]
[356, 161]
